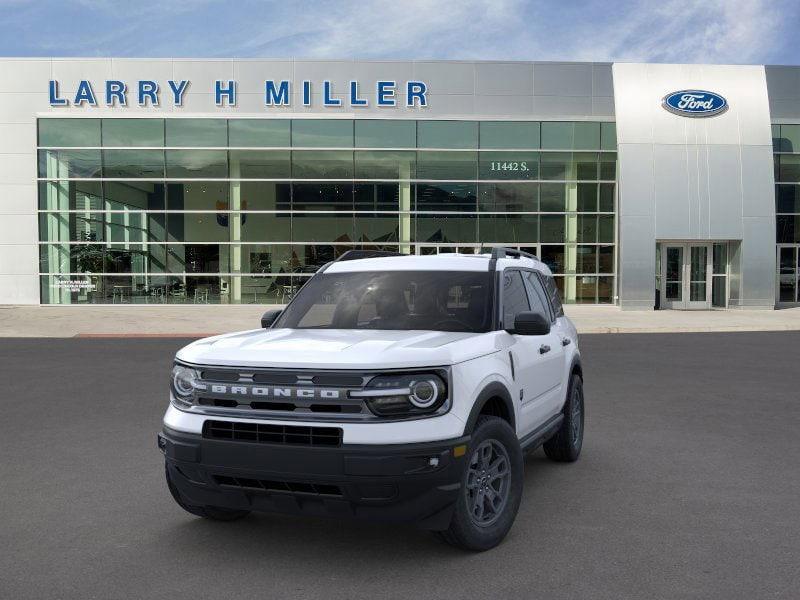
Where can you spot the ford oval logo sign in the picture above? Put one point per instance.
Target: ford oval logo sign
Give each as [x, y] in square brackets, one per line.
[695, 103]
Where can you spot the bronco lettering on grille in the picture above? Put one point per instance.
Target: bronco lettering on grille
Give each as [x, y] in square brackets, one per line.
[277, 392]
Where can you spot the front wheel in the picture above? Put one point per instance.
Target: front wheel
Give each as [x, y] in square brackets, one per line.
[491, 488]
[566, 444]
[215, 513]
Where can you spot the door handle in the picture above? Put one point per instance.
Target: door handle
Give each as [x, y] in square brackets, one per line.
[544, 349]
[566, 342]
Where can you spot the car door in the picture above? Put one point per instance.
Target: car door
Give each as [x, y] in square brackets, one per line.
[532, 367]
[555, 359]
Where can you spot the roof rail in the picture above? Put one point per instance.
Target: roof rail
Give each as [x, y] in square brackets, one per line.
[359, 254]
[511, 253]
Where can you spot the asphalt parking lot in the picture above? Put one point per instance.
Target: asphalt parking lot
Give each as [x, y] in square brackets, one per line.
[688, 487]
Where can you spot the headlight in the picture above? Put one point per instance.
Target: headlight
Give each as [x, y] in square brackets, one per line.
[405, 394]
[184, 382]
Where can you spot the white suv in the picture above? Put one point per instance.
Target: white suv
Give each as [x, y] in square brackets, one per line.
[399, 388]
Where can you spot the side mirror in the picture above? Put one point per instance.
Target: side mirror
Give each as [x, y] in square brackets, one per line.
[269, 317]
[531, 323]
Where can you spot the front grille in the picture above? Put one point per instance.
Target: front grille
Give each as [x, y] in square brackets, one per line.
[267, 433]
[289, 487]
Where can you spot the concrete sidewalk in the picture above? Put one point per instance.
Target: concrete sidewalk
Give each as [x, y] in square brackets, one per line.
[199, 321]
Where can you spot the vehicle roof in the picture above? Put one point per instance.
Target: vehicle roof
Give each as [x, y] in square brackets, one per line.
[440, 262]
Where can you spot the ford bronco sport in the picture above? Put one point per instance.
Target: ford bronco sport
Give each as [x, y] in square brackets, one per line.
[397, 388]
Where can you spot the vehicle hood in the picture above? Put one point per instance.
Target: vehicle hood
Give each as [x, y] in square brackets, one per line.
[338, 348]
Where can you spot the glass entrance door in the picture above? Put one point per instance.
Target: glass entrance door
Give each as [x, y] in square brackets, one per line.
[686, 276]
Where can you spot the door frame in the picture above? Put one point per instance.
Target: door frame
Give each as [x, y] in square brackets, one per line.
[686, 270]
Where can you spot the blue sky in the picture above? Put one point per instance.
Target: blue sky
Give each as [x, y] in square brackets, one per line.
[712, 31]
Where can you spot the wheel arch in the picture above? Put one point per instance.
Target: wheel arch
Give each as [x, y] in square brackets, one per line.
[494, 399]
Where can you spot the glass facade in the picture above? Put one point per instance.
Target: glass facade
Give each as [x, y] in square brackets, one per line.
[245, 210]
[786, 148]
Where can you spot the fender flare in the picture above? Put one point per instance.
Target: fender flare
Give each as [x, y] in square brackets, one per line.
[492, 390]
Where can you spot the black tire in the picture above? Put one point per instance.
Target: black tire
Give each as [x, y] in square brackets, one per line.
[468, 531]
[214, 513]
[566, 444]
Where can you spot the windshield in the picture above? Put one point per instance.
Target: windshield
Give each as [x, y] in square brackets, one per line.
[429, 300]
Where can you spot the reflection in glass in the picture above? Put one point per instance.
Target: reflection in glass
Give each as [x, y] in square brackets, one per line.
[447, 165]
[447, 134]
[385, 165]
[509, 134]
[259, 133]
[197, 164]
[322, 164]
[198, 133]
[132, 164]
[446, 228]
[511, 229]
[322, 196]
[322, 133]
[133, 132]
[508, 197]
[446, 196]
[383, 133]
[260, 164]
[65, 133]
[63, 164]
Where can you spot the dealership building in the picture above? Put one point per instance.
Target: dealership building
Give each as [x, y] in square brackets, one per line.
[166, 181]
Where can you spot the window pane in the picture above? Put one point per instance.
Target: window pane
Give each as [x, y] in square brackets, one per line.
[787, 199]
[198, 227]
[264, 195]
[557, 135]
[586, 259]
[446, 197]
[133, 164]
[379, 133]
[515, 298]
[131, 195]
[133, 132]
[322, 196]
[587, 229]
[587, 197]
[322, 227]
[322, 164]
[446, 229]
[69, 132]
[62, 164]
[198, 258]
[197, 132]
[509, 134]
[787, 228]
[585, 289]
[70, 195]
[385, 165]
[605, 230]
[553, 197]
[552, 228]
[509, 165]
[266, 227]
[197, 163]
[587, 136]
[553, 257]
[790, 138]
[447, 165]
[511, 229]
[605, 259]
[447, 134]
[249, 133]
[608, 166]
[720, 263]
[556, 165]
[322, 133]
[606, 197]
[605, 290]
[260, 164]
[66, 227]
[382, 196]
[377, 227]
[585, 166]
[789, 170]
[198, 195]
[608, 136]
[509, 197]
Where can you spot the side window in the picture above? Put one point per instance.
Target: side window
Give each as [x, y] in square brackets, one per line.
[515, 299]
[552, 292]
[537, 295]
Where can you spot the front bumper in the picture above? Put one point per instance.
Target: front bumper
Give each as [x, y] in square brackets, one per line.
[412, 483]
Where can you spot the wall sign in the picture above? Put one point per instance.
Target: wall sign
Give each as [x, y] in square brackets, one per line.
[695, 103]
[150, 93]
